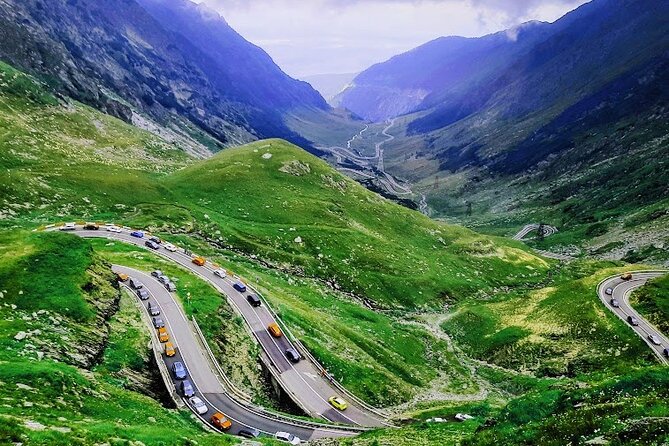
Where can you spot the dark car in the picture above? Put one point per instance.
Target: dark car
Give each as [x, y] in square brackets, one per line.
[152, 245]
[253, 300]
[249, 432]
[179, 370]
[239, 287]
[142, 294]
[155, 239]
[292, 355]
[632, 320]
[157, 273]
[609, 291]
[615, 303]
[153, 309]
[158, 322]
[187, 388]
[91, 227]
[666, 352]
[138, 234]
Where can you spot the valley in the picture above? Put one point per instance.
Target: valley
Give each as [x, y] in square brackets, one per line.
[473, 252]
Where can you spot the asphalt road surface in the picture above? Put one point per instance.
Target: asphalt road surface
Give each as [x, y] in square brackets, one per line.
[621, 290]
[205, 382]
[303, 381]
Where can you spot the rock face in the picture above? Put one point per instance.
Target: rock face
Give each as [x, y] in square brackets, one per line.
[172, 60]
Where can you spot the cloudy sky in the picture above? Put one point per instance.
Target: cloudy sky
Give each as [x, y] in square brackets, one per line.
[307, 37]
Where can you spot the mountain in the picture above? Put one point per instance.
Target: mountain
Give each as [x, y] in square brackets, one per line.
[330, 85]
[173, 62]
[558, 121]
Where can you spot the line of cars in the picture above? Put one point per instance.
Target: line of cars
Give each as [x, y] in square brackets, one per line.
[178, 369]
[632, 320]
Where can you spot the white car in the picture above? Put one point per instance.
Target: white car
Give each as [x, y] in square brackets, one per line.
[198, 405]
[68, 227]
[463, 417]
[112, 228]
[220, 273]
[287, 438]
[170, 247]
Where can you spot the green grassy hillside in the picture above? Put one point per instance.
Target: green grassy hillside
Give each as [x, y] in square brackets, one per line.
[61, 383]
[427, 318]
[274, 200]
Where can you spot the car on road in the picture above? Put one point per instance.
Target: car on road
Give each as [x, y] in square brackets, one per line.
[68, 227]
[287, 438]
[609, 291]
[153, 309]
[142, 294]
[626, 276]
[338, 402]
[155, 239]
[654, 339]
[138, 234]
[220, 421]
[112, 228]
[169, 349]
[292, 355]
[199, 261]
[239, 286]
[198, 405]
[162, 335]
[163, 279]
[122, 277]
[632, 320]
[249, 432]
[253, 300]
[157, 322]
[186, 388]
[171, 287]
[91, 226]
[615, 303]
[666, 352]
[135, 284]
[179, 370]
[220, 273]
[274, 330]
[170, 247]
[157, 273]
[152, 245]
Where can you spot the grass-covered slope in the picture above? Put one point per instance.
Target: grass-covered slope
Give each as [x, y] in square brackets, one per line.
[560, 330]
[61, 384]
[277, 201]
[652, 301]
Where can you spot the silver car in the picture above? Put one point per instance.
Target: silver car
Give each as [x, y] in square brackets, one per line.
[198, 405]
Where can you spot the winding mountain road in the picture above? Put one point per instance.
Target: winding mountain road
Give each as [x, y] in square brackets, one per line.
[621, 290]
[365, 162]
[205, 382]
[304, 382]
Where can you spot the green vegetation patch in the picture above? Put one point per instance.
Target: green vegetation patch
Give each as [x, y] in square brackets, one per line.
[652, 302]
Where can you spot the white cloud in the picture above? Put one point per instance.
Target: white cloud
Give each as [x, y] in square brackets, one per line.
[335, 36]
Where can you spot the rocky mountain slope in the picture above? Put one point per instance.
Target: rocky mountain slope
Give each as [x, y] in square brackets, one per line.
[174, 63]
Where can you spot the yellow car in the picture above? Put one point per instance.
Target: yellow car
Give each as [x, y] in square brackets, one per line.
[162, 335]
[338, 402]
[626, 276]
[169, 349]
